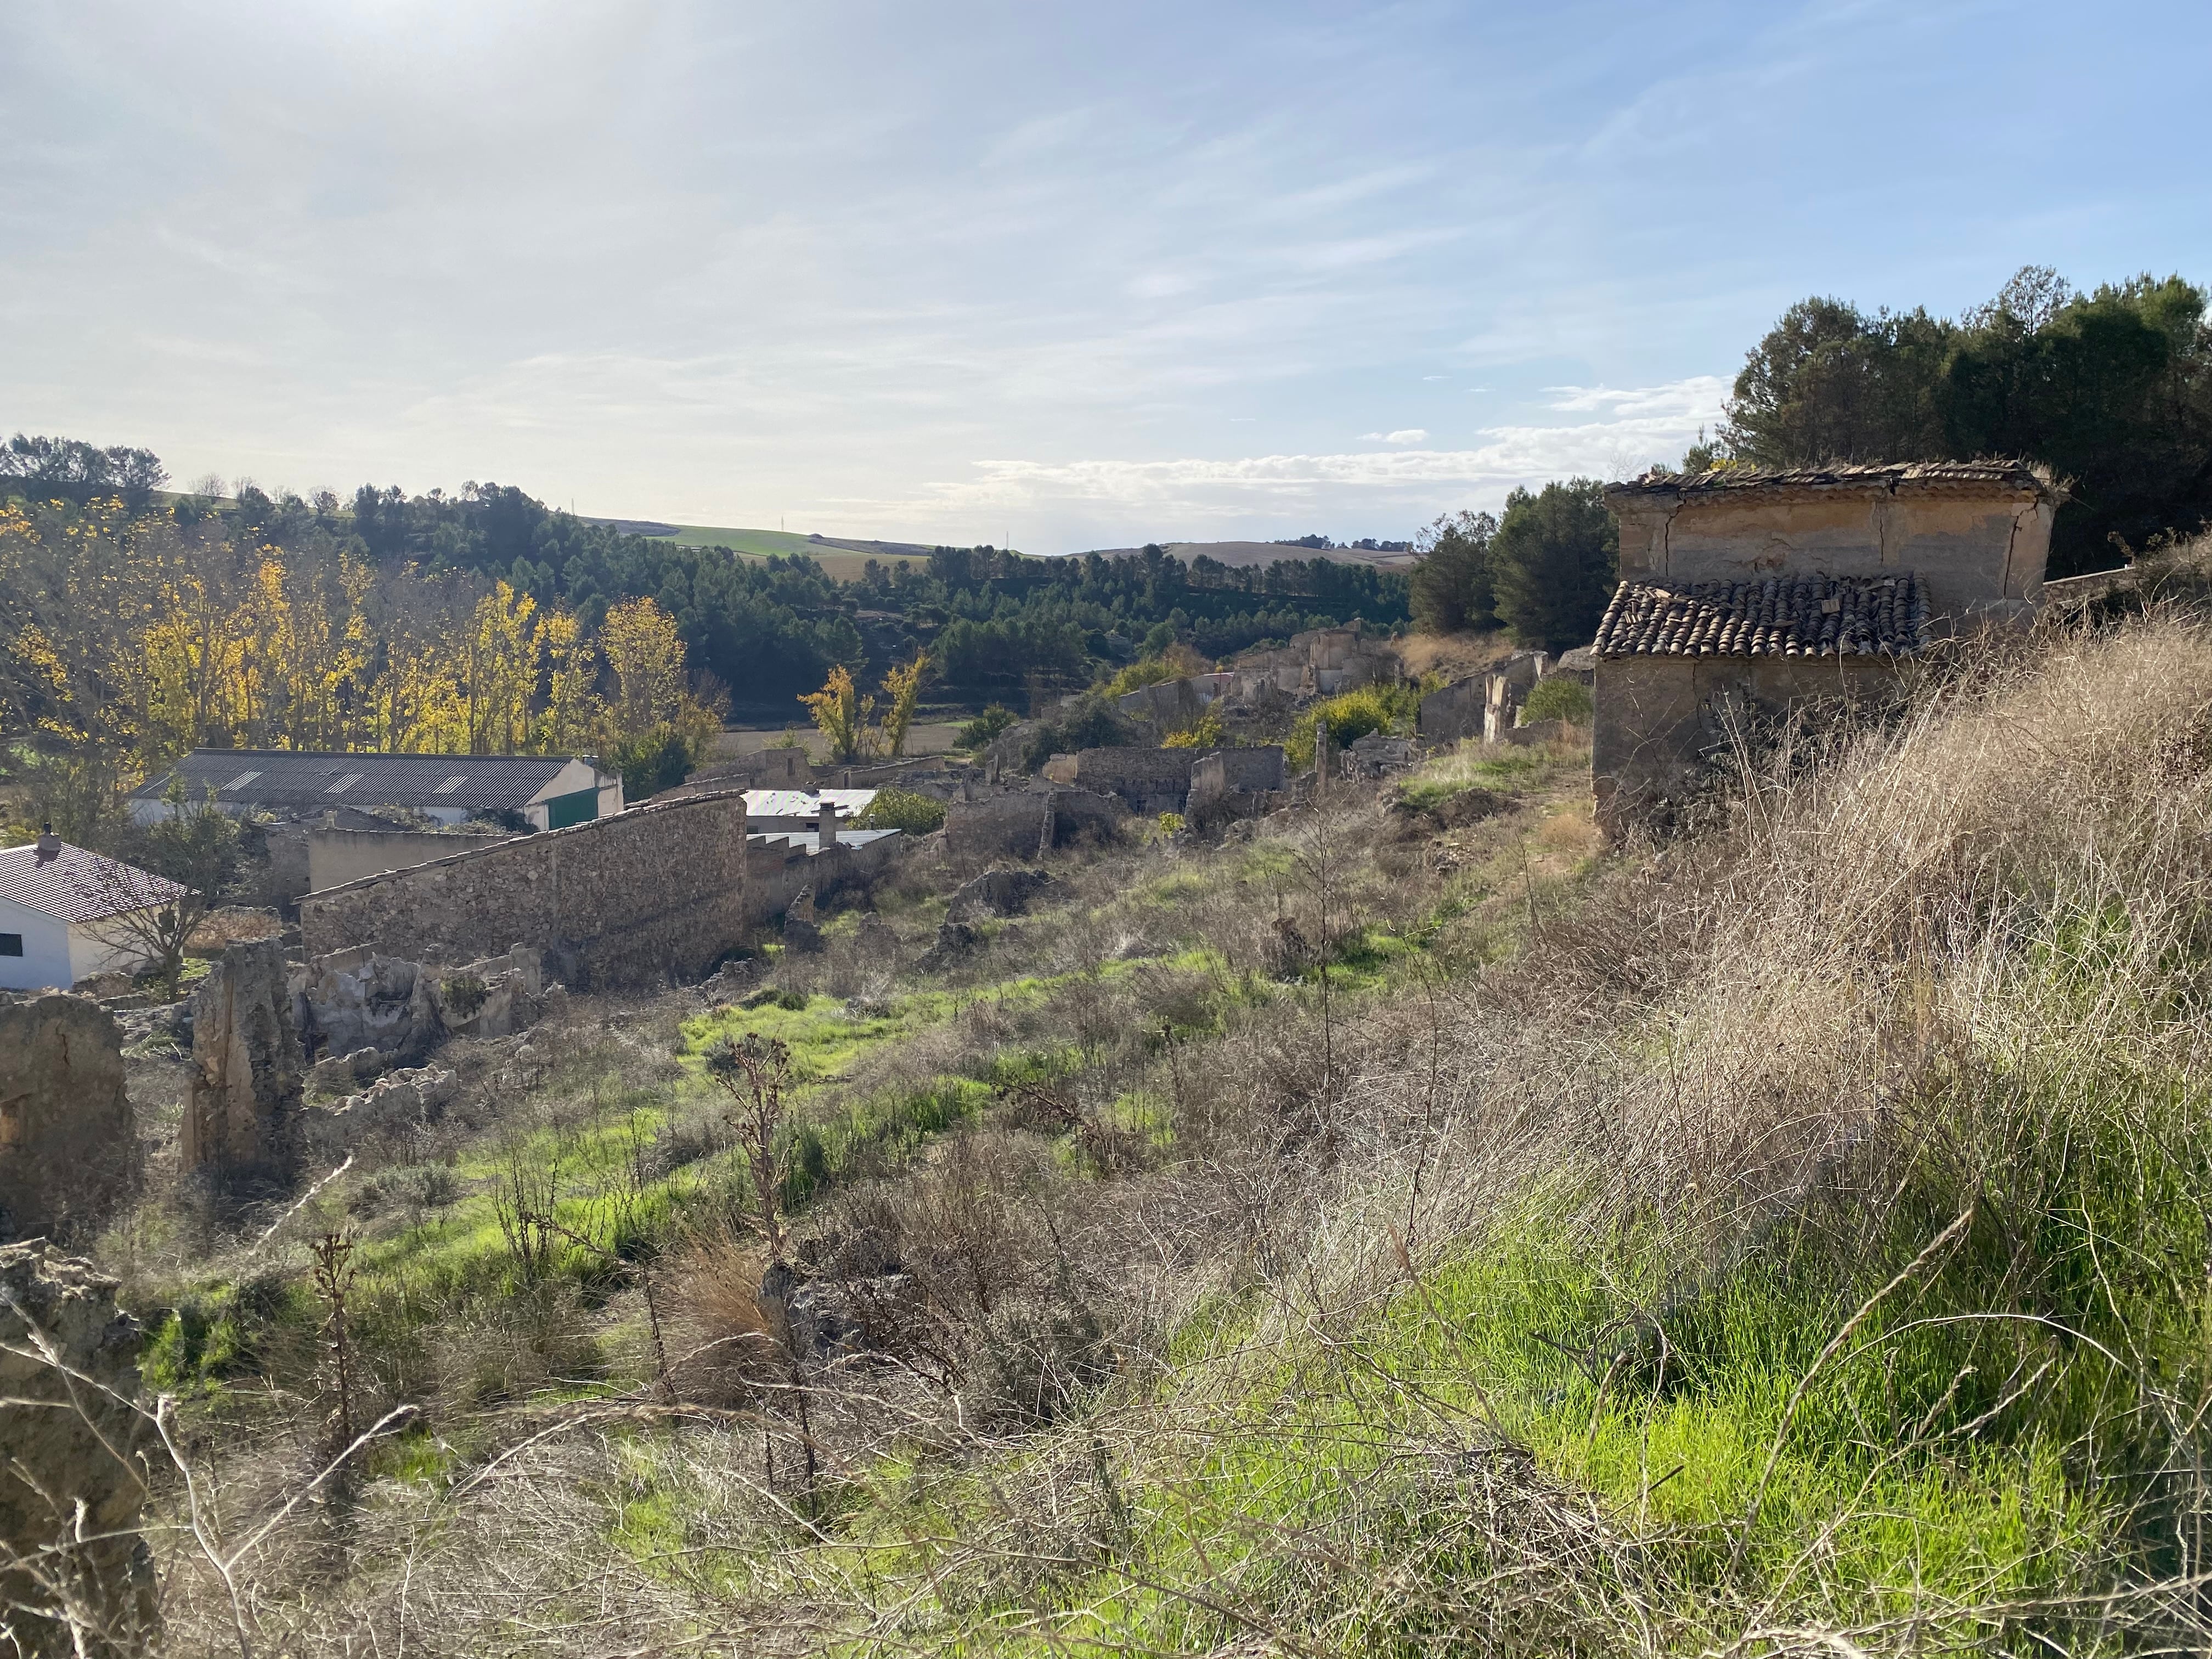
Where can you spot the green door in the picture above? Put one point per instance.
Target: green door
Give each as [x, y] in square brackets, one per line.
[562, 810]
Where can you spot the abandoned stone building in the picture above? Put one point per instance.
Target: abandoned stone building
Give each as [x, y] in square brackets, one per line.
[1147, 781]
[1748, 590]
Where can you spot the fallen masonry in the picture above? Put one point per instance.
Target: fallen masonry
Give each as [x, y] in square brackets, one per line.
[396, 1100]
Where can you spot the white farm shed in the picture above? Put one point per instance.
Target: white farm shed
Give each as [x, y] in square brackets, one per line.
[61, 910]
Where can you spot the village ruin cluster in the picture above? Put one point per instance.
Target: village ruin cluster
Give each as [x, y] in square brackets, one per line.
[408, 901]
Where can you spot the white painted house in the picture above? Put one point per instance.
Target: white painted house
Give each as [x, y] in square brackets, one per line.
[61, 911]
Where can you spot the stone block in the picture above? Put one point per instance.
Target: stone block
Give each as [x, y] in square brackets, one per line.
[69, 1143]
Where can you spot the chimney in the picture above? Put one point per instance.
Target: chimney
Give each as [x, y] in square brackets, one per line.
[825, 834]
[49, 844]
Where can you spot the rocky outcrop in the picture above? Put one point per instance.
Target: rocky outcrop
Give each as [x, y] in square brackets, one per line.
[69, 1146]
[74, 1577]
[242, 1115]
[354, 1001]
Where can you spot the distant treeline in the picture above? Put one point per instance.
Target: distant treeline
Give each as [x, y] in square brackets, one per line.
[994, 622]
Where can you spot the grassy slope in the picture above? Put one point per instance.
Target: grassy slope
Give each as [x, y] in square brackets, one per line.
[1800, 1249]
[842, 564]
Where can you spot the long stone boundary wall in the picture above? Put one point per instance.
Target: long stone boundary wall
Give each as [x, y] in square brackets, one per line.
[654, 891]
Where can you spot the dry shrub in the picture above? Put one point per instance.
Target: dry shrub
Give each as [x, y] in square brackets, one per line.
[722, 1348]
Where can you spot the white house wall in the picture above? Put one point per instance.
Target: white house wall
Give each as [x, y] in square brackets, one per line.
[46, 956]
[103, 948]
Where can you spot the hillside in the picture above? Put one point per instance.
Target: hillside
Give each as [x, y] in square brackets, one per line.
[1401, 1226]
[1240, 556]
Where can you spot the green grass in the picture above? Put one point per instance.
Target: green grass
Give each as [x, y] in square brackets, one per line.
[1845, 1427]
[842, 564]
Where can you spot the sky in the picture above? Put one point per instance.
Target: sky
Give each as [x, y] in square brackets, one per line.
[1037, 274]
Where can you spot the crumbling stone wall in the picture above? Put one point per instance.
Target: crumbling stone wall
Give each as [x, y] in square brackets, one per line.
[779, 868]
[1148, 781]
[68, 1441]
[69, 1145]
[243, 1112]
[1237, 783]
[654, 891]
[1026, 822]
[1659, 717]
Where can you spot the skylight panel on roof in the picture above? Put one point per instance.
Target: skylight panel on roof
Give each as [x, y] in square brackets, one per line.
[345, 783]
[451, 784]
[240, 781]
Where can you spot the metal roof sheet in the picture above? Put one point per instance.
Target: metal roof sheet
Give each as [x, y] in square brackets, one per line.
[805, 803]
[77, 885]
[283, 777]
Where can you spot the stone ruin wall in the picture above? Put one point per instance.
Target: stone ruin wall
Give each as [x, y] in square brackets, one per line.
[1659, 716]
[1025, 823]
[242, 1117]
[1978, 549]
[68, 1141]
[657, 890]
[777, 872]
[1147, 780]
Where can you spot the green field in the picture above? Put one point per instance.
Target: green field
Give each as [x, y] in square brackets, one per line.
[842, 564]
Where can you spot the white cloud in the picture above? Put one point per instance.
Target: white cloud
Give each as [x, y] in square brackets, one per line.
[1701, 396]
[1404, 485]
[1410, 435]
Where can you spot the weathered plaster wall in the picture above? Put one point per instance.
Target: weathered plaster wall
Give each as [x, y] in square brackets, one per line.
[1975, 549]
[337, 856]
[656, 891]
[69, 1145]
[1655, 714]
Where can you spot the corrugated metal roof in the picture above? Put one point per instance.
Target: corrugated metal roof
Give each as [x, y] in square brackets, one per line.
[806, 803]
[77, 885]
[283, 777]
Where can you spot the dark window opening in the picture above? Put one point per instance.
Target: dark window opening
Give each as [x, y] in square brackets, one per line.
[11, 945]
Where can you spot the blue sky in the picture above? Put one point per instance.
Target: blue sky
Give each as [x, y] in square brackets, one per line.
[1079, 276]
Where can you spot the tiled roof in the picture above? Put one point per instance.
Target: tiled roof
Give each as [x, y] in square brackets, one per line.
[286, 777]
[2004, 475]
[75, 885]
[1780, 616]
